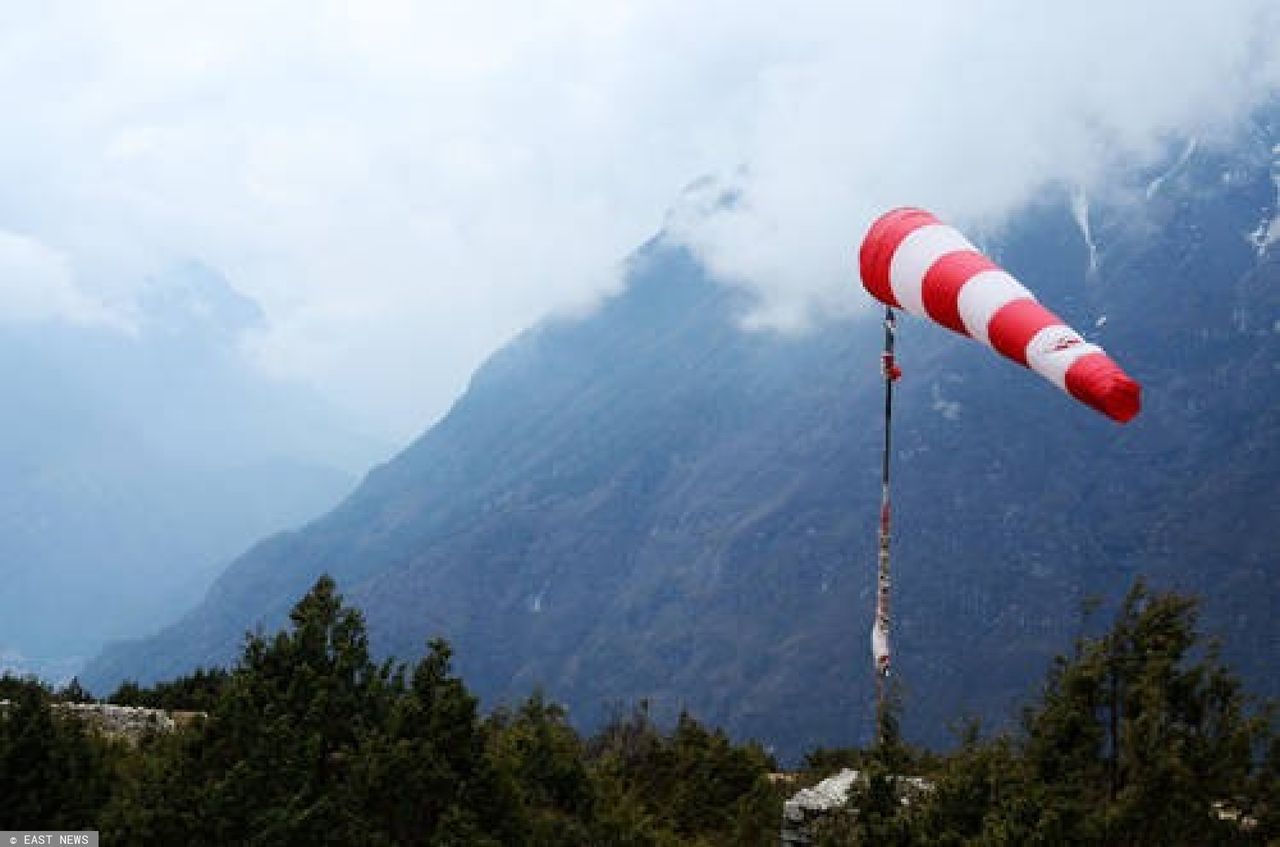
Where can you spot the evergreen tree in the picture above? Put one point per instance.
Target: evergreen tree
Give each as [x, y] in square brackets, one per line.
[73, 692]
[54, 773]
[195, 692]
[543, 758]
[272, 763]
[12, 687]
[696, 785]
[1141, 736]
[425, 777]
[978, 784]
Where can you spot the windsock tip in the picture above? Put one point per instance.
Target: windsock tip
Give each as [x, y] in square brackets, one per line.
[1123, 400]
[1097, 381]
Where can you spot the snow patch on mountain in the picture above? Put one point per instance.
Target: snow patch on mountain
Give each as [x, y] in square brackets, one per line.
[949, 409]
[1268, 230]
[1080, 211]
[1188, 151]
[535, 602]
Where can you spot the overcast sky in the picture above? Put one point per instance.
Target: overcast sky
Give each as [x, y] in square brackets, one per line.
[403, 186]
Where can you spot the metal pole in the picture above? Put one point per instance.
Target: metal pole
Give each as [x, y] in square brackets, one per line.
[880, 629]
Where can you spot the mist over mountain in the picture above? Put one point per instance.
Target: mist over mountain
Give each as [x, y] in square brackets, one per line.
[134, 464]
[652, 503]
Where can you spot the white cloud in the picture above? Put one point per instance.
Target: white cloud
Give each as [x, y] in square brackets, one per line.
[404, 185]
[36, 285]
[969, 110]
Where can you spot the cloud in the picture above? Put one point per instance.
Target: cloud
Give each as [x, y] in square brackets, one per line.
[969, 110]
[403, 186]
[36, 286]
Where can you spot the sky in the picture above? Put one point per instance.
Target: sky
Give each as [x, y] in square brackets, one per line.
[403, 186]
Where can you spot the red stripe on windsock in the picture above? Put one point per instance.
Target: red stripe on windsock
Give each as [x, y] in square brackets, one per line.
[940, 289]
[1097, 381]
[876, 256]
[1014, 325]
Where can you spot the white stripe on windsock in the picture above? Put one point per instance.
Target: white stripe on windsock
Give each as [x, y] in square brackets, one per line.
[913, 258]
[1053, 350]
[985, 294]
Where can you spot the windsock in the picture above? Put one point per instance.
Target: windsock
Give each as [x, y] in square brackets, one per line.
[912, 261]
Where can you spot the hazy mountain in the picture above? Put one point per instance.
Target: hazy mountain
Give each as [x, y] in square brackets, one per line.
[652, 503]
[134, 465]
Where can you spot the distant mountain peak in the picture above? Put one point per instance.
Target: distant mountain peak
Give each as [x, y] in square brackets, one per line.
[194, 300]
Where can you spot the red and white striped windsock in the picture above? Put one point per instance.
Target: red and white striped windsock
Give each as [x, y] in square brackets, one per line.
[912, 261]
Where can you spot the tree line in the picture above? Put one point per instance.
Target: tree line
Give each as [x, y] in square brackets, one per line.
[1140, 735]
[309, 740]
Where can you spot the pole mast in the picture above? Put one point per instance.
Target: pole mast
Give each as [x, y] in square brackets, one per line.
[880, 628]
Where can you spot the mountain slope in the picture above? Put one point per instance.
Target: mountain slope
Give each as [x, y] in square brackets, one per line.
[652, 503]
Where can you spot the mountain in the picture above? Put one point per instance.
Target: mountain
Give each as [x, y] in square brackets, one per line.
[653, 503]
[134, 465]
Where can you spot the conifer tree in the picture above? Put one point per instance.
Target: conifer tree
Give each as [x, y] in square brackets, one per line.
[425, 777]
[1141, 736]
[54, 773]
[271, 765]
